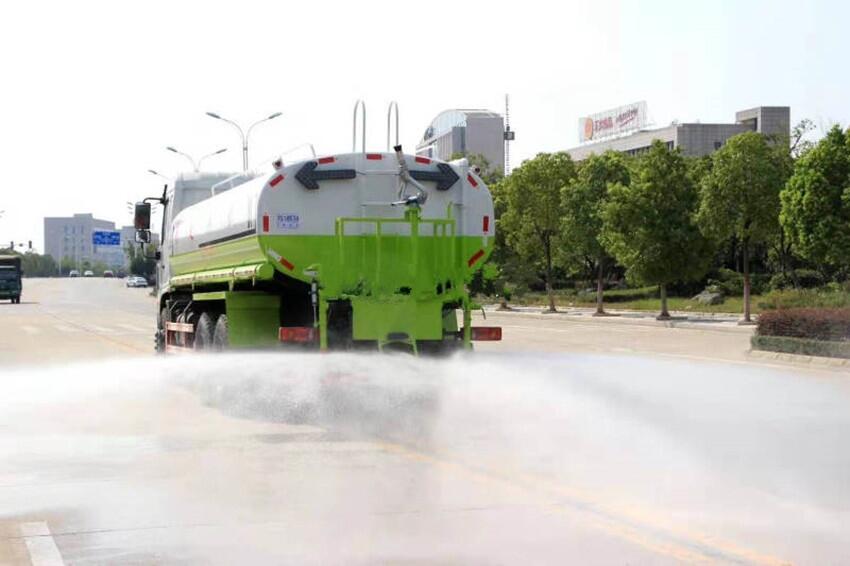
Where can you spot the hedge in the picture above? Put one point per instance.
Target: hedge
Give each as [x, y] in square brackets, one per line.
[801, 346]
[808, 323]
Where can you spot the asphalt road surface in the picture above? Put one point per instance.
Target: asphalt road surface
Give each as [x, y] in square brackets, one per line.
[576, 440]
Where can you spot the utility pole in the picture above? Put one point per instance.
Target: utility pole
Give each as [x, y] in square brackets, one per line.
[509, 136]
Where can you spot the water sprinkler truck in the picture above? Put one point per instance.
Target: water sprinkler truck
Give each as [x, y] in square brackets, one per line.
[354, 251]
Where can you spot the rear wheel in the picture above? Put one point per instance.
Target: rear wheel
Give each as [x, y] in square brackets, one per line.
[204, 332]
[220, 336]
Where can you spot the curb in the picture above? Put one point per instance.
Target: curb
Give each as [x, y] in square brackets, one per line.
[678, 321]
[800, 359]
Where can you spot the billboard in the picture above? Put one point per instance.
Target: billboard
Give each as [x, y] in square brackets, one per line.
[106, 238]
[612, 122]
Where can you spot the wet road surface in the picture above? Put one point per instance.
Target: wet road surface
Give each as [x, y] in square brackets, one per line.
[574, 456]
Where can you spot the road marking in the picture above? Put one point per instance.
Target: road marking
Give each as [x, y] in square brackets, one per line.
[40, 544]
[31, 330]
[130, 327]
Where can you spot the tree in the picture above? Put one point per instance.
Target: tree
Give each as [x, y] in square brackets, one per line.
[649, 225]
[740, 197]
[816, 203]
[581, 224]
[532, 218]
[142, 261]
[37, 265]
[67, 265]
[489, 174]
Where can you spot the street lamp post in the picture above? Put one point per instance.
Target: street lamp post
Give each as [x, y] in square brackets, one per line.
[245, 136]
[196, 165]
[158, 174]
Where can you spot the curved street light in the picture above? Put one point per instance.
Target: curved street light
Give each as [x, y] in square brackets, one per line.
[242, 133]
[196, 165]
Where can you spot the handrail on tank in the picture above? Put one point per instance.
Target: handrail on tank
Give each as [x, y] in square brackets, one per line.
[291, 149]
[361, 105]
[393, 104]
[229, 181]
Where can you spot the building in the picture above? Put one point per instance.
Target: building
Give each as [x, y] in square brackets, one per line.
[468, 132]
[71, 237]
[695, 139]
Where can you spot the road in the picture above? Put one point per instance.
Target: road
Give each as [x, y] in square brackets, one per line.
[574, 441]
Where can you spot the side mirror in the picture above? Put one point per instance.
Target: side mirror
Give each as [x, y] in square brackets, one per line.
[142, 216]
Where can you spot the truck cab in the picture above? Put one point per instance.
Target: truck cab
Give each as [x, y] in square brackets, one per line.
[10, 278]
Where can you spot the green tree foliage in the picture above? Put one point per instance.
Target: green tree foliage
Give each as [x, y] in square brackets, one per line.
[489, 174]
[649, 226]
[141, 261]
[66, 265]
[33, 264]
[816, 203]
[37, 265]
[582, 202]
[740, 196]
[532, 219]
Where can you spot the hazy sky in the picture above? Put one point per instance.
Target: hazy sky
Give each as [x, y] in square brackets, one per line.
[92, 92]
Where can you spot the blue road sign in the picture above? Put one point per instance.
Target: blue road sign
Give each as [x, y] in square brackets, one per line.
[104, 238]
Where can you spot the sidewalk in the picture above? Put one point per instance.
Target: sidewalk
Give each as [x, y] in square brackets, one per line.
[727, 322]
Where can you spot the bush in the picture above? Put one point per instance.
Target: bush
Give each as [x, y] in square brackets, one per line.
[806, 298]
[804, 278]
[801, 346]
[817, 324]
[730, 283]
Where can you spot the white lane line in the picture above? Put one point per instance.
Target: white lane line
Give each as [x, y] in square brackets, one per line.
[40, 544]
[31, 330]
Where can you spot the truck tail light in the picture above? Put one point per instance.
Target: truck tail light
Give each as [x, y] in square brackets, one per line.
[488, 333]
[297, 334]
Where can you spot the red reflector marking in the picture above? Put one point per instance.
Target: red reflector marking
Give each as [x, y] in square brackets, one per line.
[284, 262]
[478, 255]
[326, 160]
[422, 160]
[276, 180]
[485, 224]
[298, 334]
[265, 222]
[491, 333]
[374, 156]
[472, 180]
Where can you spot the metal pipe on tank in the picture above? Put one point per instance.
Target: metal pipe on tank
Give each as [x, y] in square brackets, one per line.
[393, 104]
[361, 105]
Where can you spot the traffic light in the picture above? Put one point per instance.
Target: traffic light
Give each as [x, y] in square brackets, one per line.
[29, 244]
[12, 245]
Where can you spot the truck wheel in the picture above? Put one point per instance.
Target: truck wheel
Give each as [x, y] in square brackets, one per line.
[220, 336]
[204, 332]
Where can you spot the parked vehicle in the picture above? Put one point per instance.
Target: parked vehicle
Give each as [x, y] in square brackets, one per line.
[88, 273]
[73, 273]
[348, 251]
[10, 278]
[108, 273]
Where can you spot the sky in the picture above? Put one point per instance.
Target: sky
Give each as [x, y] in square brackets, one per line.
[93, 92]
